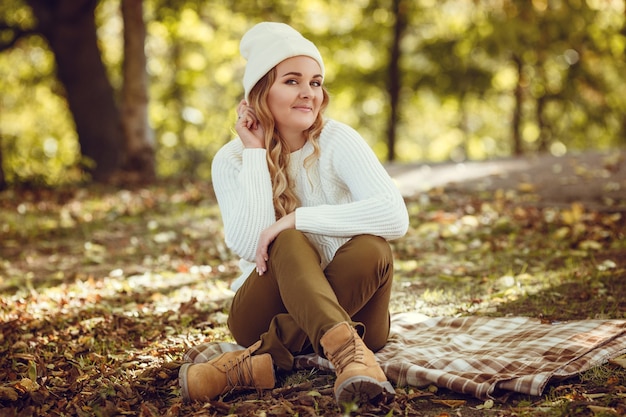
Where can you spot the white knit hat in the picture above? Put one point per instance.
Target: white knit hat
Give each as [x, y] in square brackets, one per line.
[267, 44]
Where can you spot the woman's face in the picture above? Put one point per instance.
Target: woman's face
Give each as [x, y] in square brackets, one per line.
[296, 95]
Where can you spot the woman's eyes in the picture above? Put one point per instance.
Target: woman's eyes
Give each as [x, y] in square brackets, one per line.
[295, 82]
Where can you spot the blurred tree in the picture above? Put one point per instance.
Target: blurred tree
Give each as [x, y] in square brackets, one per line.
[3, 181]
[419, 79]
[109, 143]
[70, 29]
[622, 33]
[139, 155]
[394, 86]
[445, 59]
[356, 39]
[194, 68]
[564, 70]
[35, 136]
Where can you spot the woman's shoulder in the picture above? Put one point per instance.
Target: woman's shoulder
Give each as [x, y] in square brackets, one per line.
[228, 157]
[231, 150]
[335, 127]
[234, 145]
[336, 132]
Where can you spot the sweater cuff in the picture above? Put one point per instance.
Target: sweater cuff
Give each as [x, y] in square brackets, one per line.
[305, 219]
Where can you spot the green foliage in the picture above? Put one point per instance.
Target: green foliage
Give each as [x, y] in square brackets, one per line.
[457, 70]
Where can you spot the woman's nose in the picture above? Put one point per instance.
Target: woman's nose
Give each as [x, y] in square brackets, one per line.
[305, 91]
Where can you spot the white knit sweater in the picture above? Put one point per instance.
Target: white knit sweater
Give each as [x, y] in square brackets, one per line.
[344, 193]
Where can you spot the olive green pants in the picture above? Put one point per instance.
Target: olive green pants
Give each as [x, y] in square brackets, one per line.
[291, 306]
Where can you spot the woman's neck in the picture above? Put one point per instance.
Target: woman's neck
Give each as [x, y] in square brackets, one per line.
[295, 141]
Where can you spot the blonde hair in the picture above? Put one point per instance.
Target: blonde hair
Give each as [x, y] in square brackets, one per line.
[284, 197]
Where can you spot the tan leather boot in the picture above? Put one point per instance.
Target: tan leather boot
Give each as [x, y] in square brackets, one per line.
[230, 371]
[359, 377]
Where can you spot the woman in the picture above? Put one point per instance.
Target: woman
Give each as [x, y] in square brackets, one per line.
[309, 209]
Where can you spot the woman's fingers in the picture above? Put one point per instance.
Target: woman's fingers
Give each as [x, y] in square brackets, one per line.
[246, 116]
[261, 259]
[265, 240]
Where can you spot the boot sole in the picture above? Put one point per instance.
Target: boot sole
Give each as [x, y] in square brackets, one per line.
[182, 381]
[362, 389]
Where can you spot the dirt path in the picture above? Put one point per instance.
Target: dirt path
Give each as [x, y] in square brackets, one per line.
[595, 179]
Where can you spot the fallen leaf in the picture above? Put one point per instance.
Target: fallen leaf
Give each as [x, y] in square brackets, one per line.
[594, 396]
[561, 233]
[574, 215]
[612, 380]
[450, 403]
[487, 405]
[620, 360]
[8, 394]
[607, 264]
[604, 411]
[590, 245]
[526, 187]
[26, 385]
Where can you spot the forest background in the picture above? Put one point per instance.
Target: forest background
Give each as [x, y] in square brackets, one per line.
[422, 80]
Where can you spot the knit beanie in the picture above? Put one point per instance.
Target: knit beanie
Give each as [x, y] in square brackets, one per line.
[267, 44]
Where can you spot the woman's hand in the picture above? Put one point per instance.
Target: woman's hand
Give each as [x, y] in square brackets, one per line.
[248, 127]
[267, 237]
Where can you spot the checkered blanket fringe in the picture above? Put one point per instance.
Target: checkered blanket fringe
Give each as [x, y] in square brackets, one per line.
[484, 356]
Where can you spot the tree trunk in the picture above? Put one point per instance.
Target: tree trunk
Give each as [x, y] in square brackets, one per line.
[139, 136]
[517, 112]
[544, 140]
[70, 29]
[394, 84]
[3, 181]
[622, 135]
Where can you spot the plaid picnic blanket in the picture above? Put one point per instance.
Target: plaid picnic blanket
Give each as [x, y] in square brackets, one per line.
[481, 356]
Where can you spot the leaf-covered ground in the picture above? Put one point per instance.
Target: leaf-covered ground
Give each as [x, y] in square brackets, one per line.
[102, 290]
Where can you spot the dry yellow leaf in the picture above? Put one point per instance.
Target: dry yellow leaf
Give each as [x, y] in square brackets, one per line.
[574, 215]
[526, 187]
[26, 385]
[561, 233]
[620, 360]
[604, 411]
[451, 403]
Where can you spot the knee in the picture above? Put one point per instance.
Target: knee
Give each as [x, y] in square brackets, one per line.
[290, 235]
[374, 248]
[292, 241]
[289, 239]
[376, 342]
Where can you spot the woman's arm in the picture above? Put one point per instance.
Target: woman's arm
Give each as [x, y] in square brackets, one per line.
[243, 189]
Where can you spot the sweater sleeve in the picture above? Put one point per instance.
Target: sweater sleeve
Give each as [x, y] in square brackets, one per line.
[375, 204]
[243, 189]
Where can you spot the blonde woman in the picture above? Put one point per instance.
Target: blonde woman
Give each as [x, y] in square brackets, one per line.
[309, 209]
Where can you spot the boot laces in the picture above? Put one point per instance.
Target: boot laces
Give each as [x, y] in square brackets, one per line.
[351, 351]
[239, 372]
